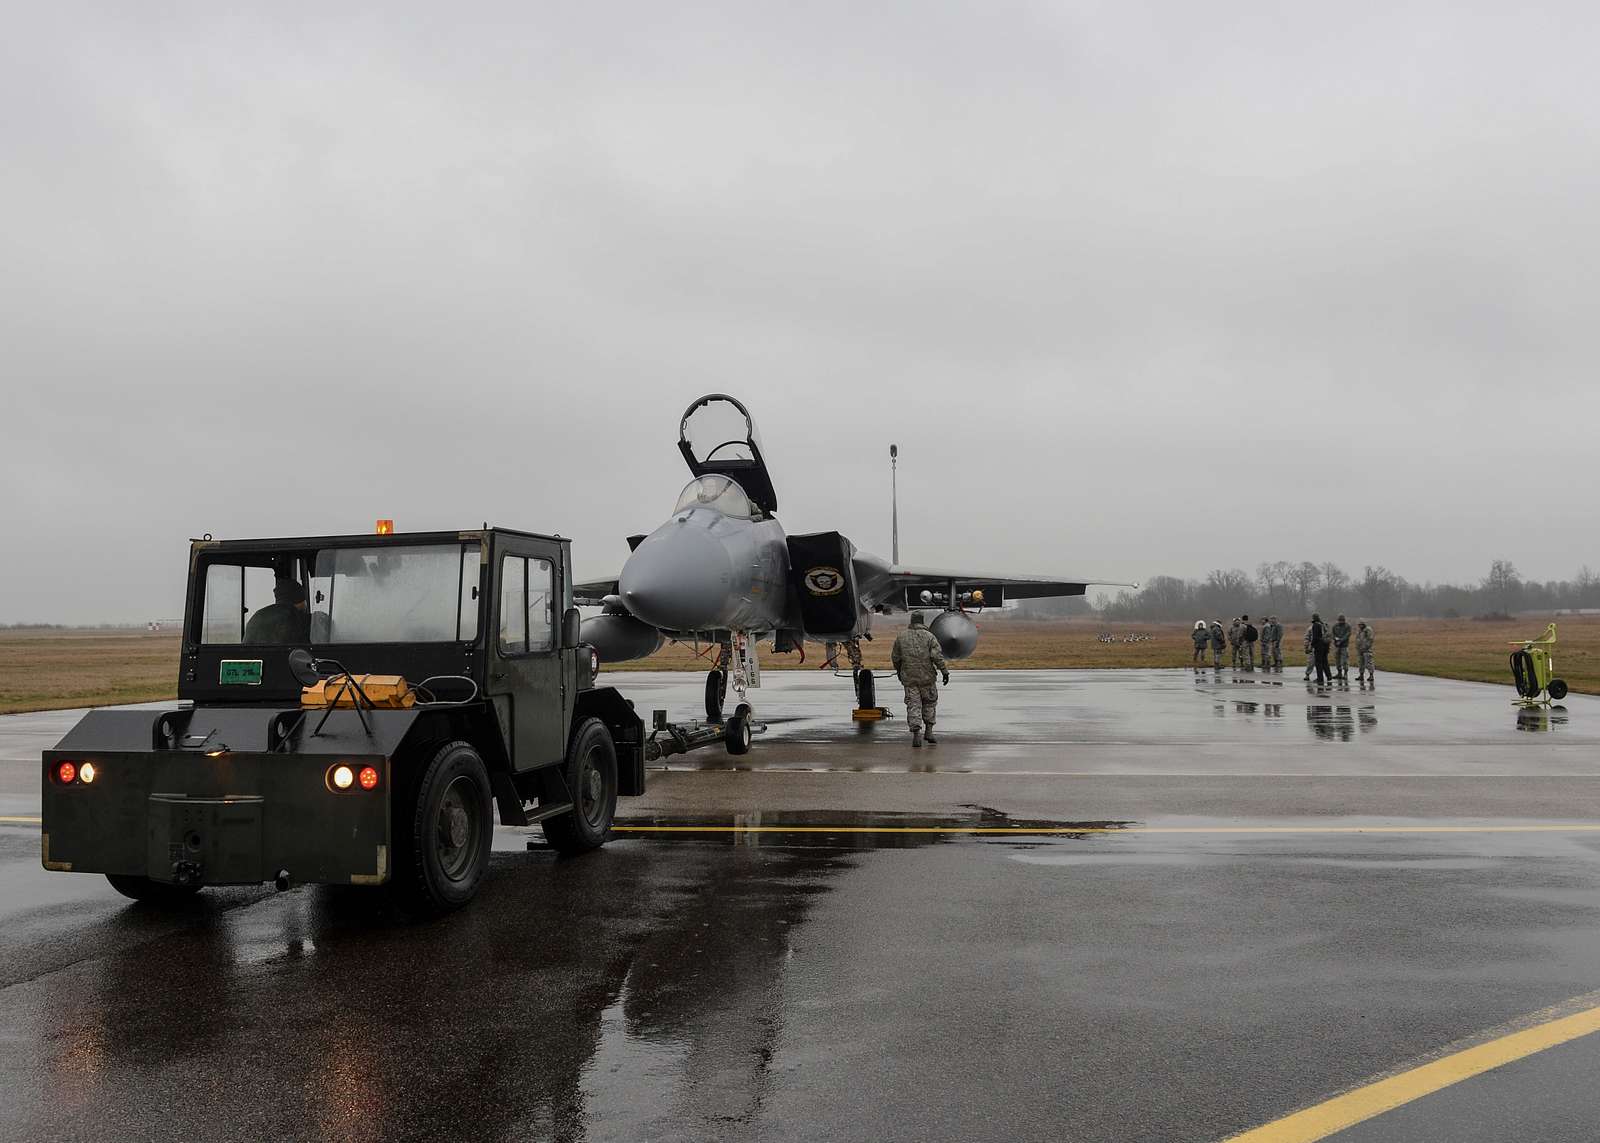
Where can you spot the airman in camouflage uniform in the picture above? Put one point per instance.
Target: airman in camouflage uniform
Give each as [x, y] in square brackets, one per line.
[1341, 648]
[1249, 636]
[1272, 644]
[918, 659]
[1235, 629]
[1364, 668]
[1202, 639]
[1218, 639]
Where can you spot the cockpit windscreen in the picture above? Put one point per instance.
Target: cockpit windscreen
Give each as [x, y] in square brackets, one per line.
[720, 494]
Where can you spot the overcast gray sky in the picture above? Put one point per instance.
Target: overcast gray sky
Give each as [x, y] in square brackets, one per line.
[1138, 288]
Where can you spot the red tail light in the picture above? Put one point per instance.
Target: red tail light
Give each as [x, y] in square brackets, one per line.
[368, 778]
[67, 773]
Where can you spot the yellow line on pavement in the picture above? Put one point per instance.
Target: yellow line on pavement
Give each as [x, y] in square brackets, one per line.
[1383, 1095]
[21, 820]
[1574, 828]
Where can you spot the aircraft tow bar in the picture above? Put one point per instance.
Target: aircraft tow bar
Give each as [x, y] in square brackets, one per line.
[668, 738]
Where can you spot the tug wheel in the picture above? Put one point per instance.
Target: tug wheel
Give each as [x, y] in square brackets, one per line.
[1557, 689]
[151, 891]
[445, 833]
[591, 775]
[716, 691]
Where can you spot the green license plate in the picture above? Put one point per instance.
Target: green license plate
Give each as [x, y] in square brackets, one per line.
[241, 672]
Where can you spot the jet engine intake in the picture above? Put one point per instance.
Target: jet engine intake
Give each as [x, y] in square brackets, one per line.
[619, 637]
[957, 635]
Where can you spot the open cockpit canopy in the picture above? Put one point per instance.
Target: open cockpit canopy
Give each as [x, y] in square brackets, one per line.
[717, 437]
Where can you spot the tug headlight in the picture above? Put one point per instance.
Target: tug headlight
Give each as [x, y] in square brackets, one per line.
[342, 777]
[87, 772]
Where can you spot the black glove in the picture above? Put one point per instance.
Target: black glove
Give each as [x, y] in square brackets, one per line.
[946, 678]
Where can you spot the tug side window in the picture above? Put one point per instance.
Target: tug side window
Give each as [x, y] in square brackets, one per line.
[541, 606]
[527, 605]
[513, 615]
[223, 619]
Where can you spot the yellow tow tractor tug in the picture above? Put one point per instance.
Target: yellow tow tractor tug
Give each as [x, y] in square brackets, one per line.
[1533, 669]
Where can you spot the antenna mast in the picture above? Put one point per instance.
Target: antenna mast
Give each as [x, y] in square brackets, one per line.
[894, 494]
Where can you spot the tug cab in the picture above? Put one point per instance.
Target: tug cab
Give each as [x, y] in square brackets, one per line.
[406, 687]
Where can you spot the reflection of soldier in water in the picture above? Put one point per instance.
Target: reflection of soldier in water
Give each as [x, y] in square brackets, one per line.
[1331, 723]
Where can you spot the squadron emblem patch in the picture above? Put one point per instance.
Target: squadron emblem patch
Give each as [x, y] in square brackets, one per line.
[824, 581]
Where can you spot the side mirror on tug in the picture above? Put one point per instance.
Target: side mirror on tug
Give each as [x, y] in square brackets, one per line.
[303, 668]
[571, 627]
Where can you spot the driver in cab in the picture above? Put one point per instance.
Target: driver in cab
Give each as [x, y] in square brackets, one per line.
[285, 620]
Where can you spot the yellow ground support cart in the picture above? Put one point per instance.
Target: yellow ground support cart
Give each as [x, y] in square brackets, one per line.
[1533, 668]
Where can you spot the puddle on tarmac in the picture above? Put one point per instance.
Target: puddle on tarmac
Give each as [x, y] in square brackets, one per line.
[1541, 720]
[854, 829]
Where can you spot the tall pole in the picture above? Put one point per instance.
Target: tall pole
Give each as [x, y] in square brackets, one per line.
[894, 495]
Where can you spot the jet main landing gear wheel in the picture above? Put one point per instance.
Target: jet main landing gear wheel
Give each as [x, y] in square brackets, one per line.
[866, 689]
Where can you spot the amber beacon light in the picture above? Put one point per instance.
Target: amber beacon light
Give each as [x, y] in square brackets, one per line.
[385, 528]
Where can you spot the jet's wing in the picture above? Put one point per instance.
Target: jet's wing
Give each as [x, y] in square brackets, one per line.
[592, 593]
[887, 585]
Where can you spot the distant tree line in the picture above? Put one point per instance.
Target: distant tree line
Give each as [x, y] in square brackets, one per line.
[1290, 589]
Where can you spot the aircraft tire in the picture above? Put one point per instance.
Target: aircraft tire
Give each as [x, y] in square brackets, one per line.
[1557, 689]
[737, 732]
[591, 774]
[151, 891]
[866, 689]
[716, 691]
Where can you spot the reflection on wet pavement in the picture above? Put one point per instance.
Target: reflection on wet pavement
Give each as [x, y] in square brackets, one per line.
[1541, 719]
[854, 829]
[511, 1018]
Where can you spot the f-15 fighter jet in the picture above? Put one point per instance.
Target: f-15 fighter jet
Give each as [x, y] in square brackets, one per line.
[722, 570]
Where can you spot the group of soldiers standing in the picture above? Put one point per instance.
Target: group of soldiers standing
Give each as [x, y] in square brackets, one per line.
[1241, 637]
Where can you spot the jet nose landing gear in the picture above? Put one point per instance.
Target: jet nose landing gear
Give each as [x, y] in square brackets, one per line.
[736, 732]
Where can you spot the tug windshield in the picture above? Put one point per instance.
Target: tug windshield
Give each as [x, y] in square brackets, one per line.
[720, 494]
[398, 595]
[390, 594]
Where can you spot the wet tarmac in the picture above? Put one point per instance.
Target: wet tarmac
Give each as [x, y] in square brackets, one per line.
[1109, 905]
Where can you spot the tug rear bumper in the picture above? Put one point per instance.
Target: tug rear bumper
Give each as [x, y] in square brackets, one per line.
[223, 817]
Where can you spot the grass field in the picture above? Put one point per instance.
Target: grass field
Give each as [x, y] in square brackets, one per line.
[50, 670]
[1449, 648]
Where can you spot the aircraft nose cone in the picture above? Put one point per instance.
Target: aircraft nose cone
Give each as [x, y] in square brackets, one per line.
[679, 578]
